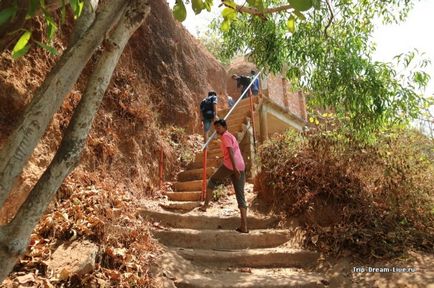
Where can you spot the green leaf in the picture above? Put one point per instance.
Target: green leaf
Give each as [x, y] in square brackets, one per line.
[51, 28]
[6, 14]
[20, 53]
[179, 11]
[63, 12]
[299, 15]
[33, 6]
[316, 4]
[208, 5]
[49, 48]
[197, 6]
[291, 24]
[229, 3]
[229, 13]
[77, 7]
[226, 25]
[80, 7]
[301, 5]
[21, 46]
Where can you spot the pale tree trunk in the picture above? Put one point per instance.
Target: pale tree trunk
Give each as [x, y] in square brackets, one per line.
[48, 98]
[86, 19]
[14, 236]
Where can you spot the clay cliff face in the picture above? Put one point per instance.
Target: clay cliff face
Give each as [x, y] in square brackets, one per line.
[175, 64]
[160, 80]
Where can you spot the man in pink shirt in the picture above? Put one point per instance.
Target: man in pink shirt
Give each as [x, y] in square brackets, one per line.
[233, 167]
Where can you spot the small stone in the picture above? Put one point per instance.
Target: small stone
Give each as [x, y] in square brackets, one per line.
[26, 278]
[245, 270]
[76, 258]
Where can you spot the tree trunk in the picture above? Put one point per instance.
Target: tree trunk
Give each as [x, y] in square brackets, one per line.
[86, 19]
[50, 95]
[14, 236]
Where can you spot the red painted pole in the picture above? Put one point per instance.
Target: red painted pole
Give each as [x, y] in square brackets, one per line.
[205, 153]
[161, 166]
[252, 115]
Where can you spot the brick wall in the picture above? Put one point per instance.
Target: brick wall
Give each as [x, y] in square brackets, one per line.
[275, 89]
[278, 90]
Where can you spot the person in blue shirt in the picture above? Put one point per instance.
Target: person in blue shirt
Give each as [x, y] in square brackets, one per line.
[243, 82]
[208, 112]
[255, 85]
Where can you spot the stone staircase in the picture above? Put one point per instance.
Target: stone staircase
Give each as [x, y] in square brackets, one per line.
[189, 185]
[203, 250]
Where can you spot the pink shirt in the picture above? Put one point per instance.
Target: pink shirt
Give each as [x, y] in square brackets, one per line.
[229, 140]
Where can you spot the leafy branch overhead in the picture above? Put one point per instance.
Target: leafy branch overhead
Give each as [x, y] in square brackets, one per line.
[11, 13]
[259, 8]
[325, 48]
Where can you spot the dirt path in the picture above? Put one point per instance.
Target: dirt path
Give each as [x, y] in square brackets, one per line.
[203, 250]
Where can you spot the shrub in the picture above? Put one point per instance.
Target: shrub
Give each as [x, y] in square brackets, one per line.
[373, 199]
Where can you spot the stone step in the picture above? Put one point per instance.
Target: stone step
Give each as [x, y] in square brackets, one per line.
[211, 154]
[213, 150]
[184, 206]
[204, 222]
[195, 174]
[237, 112]
[242, 104]
[199, 158]
[194, 185]
[263, 278]
[210, 163]
[254, 258]
[237, 120]
[221, 240]
[184, 196]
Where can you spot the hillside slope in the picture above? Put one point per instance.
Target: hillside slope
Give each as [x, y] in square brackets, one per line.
[161, 77]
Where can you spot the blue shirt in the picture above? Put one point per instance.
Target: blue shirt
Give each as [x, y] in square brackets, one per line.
[255, 85]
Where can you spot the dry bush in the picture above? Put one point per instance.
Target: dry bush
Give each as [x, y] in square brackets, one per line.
[104, 215]
[375, 200]
[183, 149]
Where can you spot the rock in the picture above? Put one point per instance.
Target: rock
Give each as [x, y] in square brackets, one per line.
[73, 258]
[25, 279]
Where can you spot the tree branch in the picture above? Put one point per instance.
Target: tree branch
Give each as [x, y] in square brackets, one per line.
[332, 16]
[14, 236]
[257, 12]
[49, 97]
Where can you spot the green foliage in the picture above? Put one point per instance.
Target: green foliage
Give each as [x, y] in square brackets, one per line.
[301, 5]
[7, 14]
[77, 7]
[291, 24]
[23, 44]
[332, 61]
[179, 11]
[197, 5]
[372, 199]
[214, 44]
[21, 47]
